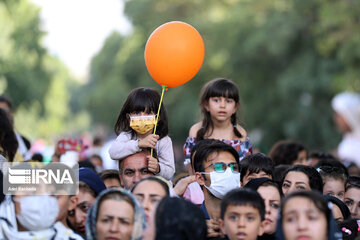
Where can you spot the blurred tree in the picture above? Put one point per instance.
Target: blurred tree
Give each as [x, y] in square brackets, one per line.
[288, 57]
[38, 84]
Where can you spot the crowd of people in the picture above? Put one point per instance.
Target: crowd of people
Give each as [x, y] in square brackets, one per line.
[230, 191]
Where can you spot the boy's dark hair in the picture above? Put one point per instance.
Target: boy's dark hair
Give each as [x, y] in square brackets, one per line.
[216, 147]
[243, 197]
[255, 163]
[154, 179]
[327, 172]
[331, 161]
[142, 100]
[315, 180]
[109, 174]
[219, 87]
[285, 152]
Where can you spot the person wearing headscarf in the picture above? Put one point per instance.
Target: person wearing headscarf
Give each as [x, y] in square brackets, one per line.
[346, 108]
[344, 210]
[271, 193]
[306, 214]
[111, 205]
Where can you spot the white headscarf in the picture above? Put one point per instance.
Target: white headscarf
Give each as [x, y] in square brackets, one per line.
[347, 105]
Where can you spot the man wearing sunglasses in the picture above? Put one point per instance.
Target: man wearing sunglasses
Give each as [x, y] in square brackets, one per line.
[217, 171]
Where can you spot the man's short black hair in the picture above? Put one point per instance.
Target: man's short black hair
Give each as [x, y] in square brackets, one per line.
[255, 163]
[243, 197]
[109, 174]
[203, 152]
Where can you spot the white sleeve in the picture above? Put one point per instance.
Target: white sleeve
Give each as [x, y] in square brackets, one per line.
[123, 146]
[165, 155]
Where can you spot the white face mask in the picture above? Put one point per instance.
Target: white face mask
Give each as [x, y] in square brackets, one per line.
[37, 212]
[221, 183]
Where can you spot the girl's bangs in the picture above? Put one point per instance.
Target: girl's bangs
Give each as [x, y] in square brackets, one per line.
[143, 102]
[223, 89]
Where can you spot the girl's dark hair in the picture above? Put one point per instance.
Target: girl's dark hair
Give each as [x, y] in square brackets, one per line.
[285, 152]
[154, 179]
[318, 200]
[142, 100]
[8, 141]
[254, 184]
[219, 87]
[315, 180]
[178, 219]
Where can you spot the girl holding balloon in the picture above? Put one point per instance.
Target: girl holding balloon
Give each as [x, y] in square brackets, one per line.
[134, 127]
[219, 102]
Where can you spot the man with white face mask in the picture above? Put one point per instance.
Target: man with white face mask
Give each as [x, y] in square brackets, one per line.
[217, 171]
[28, 216]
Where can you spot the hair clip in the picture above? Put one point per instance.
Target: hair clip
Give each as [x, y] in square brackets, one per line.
[345, 230]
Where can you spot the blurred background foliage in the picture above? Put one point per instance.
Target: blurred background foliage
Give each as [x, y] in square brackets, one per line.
[288, 58]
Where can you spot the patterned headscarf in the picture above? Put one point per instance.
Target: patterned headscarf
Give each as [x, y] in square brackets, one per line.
[139, 216]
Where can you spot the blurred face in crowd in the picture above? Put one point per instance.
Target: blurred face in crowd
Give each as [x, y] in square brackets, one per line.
[134, 168]
[248, 177]
[295, 181]
[337, 214]
[352, 200]
[272, 199]
[149, 193]
[301, 159]
[335, 188]
[115, 220]
[112, 182]
[85, 201]
[301, 219]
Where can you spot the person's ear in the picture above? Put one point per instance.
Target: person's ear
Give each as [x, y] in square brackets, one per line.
[222, 226]
[206, 105]
[235, 109]
[199, 178]
[262, 228]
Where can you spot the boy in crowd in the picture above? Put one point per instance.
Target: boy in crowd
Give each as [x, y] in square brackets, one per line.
[242, 214]
[256, 166]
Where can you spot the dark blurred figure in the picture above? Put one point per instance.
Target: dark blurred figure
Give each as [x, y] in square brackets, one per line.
[24, 144]
[37, 157]
[8, 142]
[288, 152]
[110, 178]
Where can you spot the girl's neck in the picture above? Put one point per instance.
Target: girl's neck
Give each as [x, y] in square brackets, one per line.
[222, 130]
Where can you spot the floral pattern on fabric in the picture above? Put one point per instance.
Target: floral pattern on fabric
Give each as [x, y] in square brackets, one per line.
[243, 148]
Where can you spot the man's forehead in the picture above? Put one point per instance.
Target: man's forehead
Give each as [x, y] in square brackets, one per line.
[135, 162]
[222, 156]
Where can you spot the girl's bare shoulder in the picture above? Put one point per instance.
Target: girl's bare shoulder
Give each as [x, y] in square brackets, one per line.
[194, 129]
[242, 131]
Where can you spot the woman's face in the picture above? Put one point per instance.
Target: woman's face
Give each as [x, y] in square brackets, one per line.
[352, 201]
[85, 201]
[272, 199]
[337, 214]
[115, 220]
[149, 193]
[301, 219]
[295, 181]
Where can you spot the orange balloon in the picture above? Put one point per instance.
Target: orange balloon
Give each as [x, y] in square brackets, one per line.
[174, 53]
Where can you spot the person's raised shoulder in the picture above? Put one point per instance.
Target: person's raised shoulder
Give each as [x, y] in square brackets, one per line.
[194, 129]
[242, 131]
